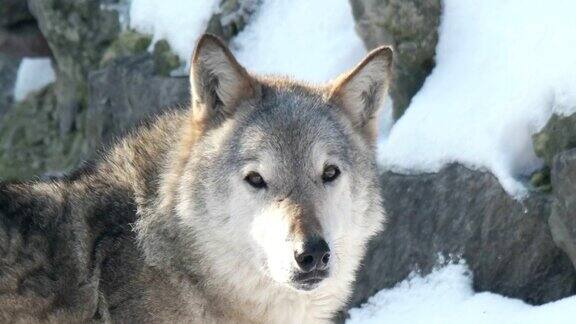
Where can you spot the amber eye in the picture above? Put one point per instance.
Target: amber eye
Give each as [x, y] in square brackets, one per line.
[255, 180]
[331, 172]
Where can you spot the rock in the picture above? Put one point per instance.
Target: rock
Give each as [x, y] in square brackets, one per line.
[558, 135]
[563, 218]
[460, 213]
[128, 43]
[122, 94]
[411, 26]
[78, 32]
[126, 92]
[30, 143]
[8, 70]
[231, 18]
[540, 180]
[164, 60]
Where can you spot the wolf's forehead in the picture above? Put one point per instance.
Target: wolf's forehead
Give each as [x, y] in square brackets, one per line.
[299, 127]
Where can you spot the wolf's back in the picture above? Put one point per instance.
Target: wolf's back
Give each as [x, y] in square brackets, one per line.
[51, 251]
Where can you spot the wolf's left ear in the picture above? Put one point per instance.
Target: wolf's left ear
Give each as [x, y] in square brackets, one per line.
[361, 91]
[218, 82]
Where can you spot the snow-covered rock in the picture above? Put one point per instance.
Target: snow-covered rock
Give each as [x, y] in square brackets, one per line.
[502, 68]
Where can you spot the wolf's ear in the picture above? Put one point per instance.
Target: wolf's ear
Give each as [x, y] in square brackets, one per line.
[218, 82]
[361, 91]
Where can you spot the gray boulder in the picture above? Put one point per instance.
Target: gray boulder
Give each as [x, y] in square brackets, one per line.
[126, 92]
[461, 213]
[411, 26]
[563, 218]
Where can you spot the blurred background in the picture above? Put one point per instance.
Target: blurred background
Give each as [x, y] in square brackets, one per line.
[476, 141]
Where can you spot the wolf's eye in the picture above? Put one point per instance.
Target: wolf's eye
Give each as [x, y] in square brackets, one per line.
[255, 180]
[330, 173]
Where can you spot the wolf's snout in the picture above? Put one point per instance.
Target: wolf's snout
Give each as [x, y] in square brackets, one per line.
[315, 255]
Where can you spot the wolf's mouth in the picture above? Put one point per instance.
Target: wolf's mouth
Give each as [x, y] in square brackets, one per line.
[308, 280]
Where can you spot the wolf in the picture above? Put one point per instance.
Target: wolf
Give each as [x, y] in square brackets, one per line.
[254, 205]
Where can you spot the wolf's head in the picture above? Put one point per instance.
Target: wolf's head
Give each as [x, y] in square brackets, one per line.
[282, 177]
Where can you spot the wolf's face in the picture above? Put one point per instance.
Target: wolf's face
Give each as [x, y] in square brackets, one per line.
[283, 175]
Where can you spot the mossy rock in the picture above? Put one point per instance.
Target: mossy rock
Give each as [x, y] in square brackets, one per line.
[231, 17]
[557, 136]
[540, 180]
[128, 43]
[30, 141]
[165, 61]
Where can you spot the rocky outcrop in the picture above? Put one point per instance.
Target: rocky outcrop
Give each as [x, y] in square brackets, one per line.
[558, 135]
[461, 213]
[563, 218]
[126, 92]
[78, 33]
[30, 143]
[86, 36]
[231, 17]
[411, 26]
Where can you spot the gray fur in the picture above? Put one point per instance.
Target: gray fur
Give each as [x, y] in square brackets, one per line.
[164, 228]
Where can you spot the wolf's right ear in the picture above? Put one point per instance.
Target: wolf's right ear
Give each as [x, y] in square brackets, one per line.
[361, 91]
[218, 82]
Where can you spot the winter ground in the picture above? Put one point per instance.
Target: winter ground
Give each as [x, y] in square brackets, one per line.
[446, 297]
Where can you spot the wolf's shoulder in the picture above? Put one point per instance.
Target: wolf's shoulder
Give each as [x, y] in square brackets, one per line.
[53, 239]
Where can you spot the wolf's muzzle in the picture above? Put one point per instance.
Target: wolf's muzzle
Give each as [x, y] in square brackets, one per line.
[315, 255]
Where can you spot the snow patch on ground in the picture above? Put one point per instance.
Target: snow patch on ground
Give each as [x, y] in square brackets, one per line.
[502, 68]
[446, 297]
[310, 40]
[33, 75]
[180, 22]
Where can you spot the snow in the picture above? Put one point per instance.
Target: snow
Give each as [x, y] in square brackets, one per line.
[180, 22]
[33, 75]
[502, 68]
[309, 40]
[446, 297]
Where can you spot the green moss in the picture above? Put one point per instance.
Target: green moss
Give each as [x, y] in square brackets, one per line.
[30, 139]
[541, 180]
[164, 60]
[127, 43]
[558, 135]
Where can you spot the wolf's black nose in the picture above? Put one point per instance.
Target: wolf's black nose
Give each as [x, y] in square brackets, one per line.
[315, 255]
